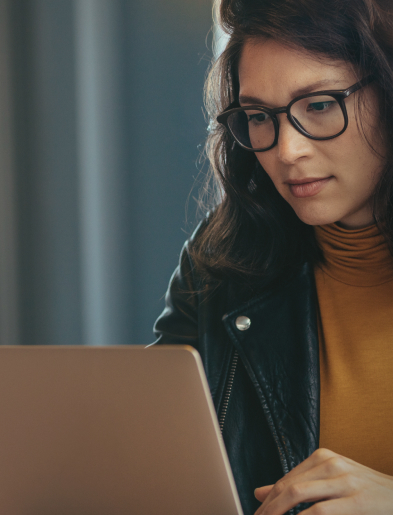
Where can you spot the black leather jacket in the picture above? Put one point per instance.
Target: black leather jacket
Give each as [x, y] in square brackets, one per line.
[264, 380]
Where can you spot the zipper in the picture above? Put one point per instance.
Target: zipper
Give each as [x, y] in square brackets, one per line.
[224, 410]
[228, 390]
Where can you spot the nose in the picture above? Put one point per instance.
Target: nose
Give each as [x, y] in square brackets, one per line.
[291, 145]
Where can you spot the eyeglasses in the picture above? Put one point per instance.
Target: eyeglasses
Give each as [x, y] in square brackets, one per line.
[321, 115]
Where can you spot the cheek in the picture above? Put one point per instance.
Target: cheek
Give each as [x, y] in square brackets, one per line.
[355, 158]
[356, 140]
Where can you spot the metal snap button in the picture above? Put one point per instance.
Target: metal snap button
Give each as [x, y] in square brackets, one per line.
[243, 323]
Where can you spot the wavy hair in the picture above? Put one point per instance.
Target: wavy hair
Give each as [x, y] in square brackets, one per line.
[252, 233]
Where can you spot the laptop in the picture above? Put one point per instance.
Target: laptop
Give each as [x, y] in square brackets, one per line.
[110, 431]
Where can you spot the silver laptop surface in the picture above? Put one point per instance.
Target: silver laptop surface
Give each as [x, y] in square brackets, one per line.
[110, 431]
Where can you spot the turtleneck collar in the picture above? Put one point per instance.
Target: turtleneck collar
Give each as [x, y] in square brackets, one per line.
[358, 257]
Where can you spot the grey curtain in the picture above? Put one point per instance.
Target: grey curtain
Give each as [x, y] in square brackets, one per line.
[101, 118]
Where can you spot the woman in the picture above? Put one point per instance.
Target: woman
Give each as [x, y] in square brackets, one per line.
[286, 289]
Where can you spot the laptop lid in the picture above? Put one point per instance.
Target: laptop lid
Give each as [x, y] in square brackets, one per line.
[110, 430]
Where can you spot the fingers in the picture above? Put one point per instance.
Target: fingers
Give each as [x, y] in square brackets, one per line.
[324, 475]
[322, 464]
[289, 496]
[262, 492]
[309, 464]
[337, 485]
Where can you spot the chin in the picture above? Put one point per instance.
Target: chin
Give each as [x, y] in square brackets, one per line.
[316, 217]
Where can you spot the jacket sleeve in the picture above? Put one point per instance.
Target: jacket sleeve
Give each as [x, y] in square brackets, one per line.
[178, 323]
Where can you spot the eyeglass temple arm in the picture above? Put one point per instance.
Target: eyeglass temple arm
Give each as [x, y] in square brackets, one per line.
[221, 116]
[358, 85]
[234, 104]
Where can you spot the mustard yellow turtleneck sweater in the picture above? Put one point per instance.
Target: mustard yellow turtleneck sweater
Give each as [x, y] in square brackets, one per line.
[355, 296]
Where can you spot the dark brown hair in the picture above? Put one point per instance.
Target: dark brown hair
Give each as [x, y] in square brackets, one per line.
[252, 233]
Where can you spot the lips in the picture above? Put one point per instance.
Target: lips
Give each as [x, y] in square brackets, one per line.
[307, 187]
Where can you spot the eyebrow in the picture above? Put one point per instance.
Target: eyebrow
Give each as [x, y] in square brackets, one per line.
[245, 99]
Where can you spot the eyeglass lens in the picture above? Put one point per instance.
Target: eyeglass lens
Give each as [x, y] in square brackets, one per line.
[319, 116]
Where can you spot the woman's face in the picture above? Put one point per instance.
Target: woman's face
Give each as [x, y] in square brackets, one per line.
[324, 181]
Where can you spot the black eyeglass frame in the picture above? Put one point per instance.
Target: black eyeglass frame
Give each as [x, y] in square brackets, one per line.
[338, 94]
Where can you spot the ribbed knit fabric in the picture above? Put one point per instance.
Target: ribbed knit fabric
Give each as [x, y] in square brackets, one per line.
[355, 295]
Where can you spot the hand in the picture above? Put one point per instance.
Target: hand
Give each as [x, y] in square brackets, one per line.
[338, 486]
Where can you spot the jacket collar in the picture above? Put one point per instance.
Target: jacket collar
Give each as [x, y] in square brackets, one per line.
[280, 353]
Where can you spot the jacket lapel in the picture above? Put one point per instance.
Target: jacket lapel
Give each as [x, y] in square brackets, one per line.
[280, 353]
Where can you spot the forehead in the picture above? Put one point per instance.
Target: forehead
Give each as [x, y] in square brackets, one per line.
[272, 72]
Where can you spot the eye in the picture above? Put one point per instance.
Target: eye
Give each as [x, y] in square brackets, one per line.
[321, 106]
[258, 117]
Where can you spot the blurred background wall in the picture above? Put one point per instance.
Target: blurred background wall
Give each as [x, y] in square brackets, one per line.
[100, 122]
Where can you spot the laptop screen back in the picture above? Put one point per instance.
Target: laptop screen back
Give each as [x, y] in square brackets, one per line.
[110, 430]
